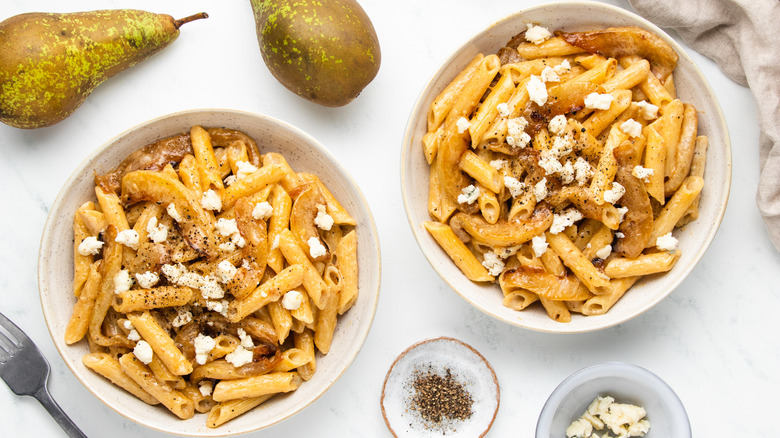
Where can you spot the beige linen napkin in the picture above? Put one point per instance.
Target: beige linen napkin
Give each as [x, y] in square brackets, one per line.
[743, 37]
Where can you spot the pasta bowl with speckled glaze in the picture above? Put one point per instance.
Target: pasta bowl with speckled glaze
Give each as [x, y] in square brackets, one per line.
[416, 184]
[304, 154]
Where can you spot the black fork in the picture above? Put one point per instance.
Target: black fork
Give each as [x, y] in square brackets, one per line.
[26, 372]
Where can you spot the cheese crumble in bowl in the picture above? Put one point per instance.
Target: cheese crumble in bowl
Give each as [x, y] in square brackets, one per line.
[206, 297]
[511, 190]
[613, 399]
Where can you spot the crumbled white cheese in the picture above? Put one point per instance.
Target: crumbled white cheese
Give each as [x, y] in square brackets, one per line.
[624, 420]
[580, 428]
[275, 243]
[246, 340]
[244, 169]
[567, 173]
[582, 170]
[469, 194]
[211, 201]
[549, 75]
[515, 186]
[598, 101]
[316, 249]
[190, 279]
[122, 281]
[540, 190]
[520, 141]
[604, 252]
[147, 280]
[557, 124]
[206, 387]
[503, 109]
[619, 235]
[622, 212]
[210, 288]
[539, 245]
[550, 164]
[239, 357]
[323, 220]
[497, 164]
[563, 67]
[183, 317]
[173, 272]
[90, 246]
[226, 271]
[631, 127]
[666, 242]
[565, 219]
[292, 300]
[143, 352]
[227, 246]
[462, 124]
[128, 238]
[649, 111]
[173, 213]
[229, 180]
[238, 240]
[227, 227]
[203, 345]
[516, 126]
[562, 146]
[537, 34]
[516, 135]
[537, 91]
[133, 335]
[642, 173]
[208, 285]
[127, 324]
[262, 210]
[493, 263]
[157, 232]
[220, 307]
[614, 194]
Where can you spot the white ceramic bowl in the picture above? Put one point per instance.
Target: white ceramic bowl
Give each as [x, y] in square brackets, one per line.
[693, 239]
[304, 153]
[626, 383]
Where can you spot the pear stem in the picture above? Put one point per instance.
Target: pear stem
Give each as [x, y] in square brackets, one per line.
[186, 20]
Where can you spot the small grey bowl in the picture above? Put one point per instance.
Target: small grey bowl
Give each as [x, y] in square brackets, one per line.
[626, 383]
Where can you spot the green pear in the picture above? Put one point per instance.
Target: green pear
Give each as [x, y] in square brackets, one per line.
[50, 62]
[325, 51]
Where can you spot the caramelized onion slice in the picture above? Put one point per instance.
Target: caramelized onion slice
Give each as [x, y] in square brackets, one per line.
[615, 42]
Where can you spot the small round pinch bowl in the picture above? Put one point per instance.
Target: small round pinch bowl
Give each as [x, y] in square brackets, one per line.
[694, 238]
[442, 356]
[624, 382]
[304, 153]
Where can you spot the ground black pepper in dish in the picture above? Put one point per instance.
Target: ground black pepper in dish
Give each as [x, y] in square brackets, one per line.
[440, 398]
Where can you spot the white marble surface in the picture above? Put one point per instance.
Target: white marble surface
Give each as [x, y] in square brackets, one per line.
[714, 340]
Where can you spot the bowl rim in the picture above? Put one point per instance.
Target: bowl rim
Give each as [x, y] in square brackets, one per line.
[370, 224]
[634, 372]
[720, 124]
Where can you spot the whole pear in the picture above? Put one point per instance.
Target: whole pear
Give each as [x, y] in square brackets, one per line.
[51, 62]
[325, 51]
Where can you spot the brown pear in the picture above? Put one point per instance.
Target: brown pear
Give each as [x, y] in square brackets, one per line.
[325, 51]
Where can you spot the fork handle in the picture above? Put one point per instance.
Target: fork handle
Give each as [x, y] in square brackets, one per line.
[43, 396]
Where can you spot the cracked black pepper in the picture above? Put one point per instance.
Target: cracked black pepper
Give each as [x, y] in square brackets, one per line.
[440, 397]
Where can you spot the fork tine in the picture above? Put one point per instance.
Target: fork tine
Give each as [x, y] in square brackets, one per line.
[5, 347]
[15, 331]
[5, 341]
